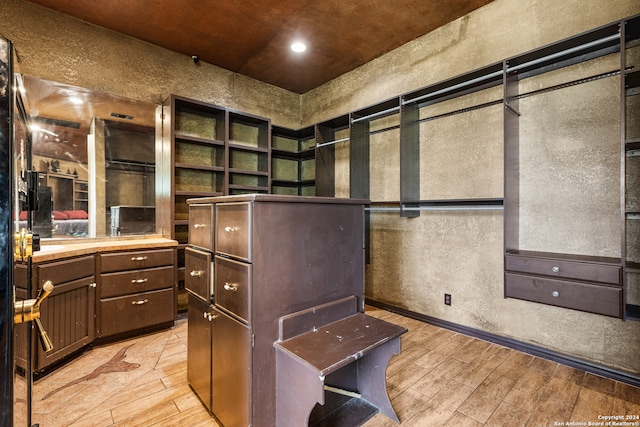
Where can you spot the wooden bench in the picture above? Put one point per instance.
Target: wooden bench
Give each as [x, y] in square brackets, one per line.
[333, 348]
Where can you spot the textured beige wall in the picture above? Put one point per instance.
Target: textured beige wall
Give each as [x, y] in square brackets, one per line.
[570, 163]
[497, 31]
[415, 261]
[55, 47]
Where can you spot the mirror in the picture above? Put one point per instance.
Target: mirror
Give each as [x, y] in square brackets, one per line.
[95, 157]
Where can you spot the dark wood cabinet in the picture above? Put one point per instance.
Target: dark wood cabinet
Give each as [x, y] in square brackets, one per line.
[136, 291]
[231, 371]
[100, 291]
[199, 348]
[67, 314]
[265, 268]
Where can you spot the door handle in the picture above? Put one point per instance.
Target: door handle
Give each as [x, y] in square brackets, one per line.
[29, 310]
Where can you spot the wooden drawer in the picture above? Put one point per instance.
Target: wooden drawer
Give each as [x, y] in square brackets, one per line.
[135, 260]
[593, 298]
[66, 270]
[201, 226]
[233, 230]
[133, 312]
[566, 269]
[136, 281]
[232, 287]
[198, 274]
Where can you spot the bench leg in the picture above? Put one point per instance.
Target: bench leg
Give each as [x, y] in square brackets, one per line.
[297, 391]
[372, 381]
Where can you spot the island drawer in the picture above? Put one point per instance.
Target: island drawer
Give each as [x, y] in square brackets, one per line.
[232, 287]
[233, 230]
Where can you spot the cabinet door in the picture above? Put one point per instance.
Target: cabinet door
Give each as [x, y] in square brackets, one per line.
[199, 349]
[231, 368]
[68, 317]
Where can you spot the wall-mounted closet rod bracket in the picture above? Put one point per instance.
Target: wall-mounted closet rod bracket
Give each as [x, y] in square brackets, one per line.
[332, 142]
[510, 108]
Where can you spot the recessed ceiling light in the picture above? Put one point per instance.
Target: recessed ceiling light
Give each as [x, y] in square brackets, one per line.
[298, 47]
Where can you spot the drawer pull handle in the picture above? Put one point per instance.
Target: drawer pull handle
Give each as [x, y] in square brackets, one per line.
[139, 281]
[210, 316]
[230, 287]
[231, 229]
[555, 294]
[140, 302]
[92, 285]
[555, 269]
[139, 258]
[195, 273]
[199, 225]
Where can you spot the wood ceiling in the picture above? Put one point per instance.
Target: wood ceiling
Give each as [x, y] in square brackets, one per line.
[252, 37]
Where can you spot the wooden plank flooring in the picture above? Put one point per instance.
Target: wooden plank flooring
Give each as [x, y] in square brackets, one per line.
[442, 378]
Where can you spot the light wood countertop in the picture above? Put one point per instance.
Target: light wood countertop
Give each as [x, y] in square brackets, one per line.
[54, 250]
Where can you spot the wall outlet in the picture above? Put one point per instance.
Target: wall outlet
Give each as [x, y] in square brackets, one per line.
[447, 299]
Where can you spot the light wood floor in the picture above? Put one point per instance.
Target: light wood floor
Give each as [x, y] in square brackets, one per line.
[442, 378]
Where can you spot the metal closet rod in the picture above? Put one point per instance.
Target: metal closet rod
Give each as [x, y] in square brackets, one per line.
[514, 68]
[435, 208]
[481, 79]
[127, 163]
[332, 142]
[373, 115]
[565, 52]
[633, 153]
[461, 110]
[569, 84]
[454, 87]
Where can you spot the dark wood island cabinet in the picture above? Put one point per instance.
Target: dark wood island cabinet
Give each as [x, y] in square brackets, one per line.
[273, 256]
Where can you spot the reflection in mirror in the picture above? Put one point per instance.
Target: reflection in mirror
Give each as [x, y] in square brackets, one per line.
[95, 154]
